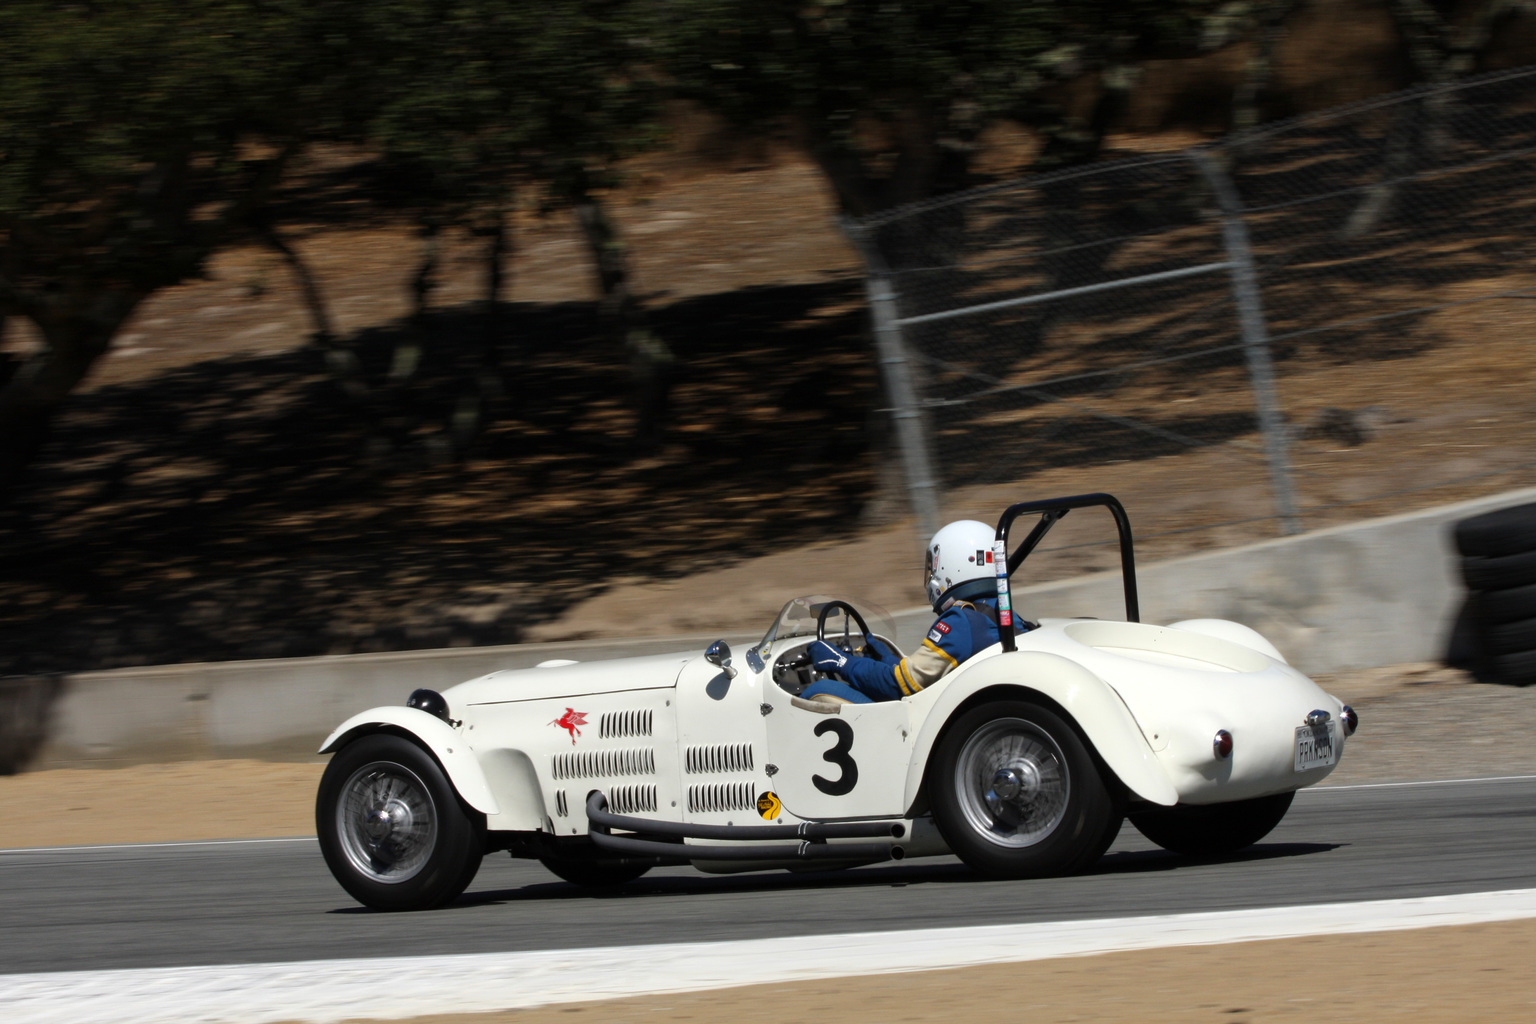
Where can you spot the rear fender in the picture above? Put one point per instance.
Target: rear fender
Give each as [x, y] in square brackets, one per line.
[1096, 708]
[452, 752]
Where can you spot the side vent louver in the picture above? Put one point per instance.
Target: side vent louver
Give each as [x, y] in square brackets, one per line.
[736, 757]
[632, 799]
[618, 724]
[602, 764]
[562, 808]
[724, 796]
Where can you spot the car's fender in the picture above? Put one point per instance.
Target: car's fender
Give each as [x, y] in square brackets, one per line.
[1093, 704]
[452, 752]
[1234, 632]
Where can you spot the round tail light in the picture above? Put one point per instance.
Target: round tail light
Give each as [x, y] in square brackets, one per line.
[1222, 744]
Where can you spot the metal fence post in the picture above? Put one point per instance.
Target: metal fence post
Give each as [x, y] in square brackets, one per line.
[1250, 313]
[896, 371]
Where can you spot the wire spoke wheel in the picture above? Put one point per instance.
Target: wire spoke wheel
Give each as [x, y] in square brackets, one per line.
[392, 828]
[1017, 793]
[387, 822]
[1012, 782]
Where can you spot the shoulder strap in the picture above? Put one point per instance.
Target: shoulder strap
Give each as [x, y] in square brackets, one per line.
[986, 611]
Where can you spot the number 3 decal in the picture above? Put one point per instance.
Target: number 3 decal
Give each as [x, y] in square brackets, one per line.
[838, 755]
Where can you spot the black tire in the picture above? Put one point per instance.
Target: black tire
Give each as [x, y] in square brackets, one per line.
[1464, 647]
[1517, 669]
[1060, 816]
[392, 829]
[1512, 605]
[595, 874]
[1213, 830]
[1502, 573]
[1506, 531]
[1510, 637]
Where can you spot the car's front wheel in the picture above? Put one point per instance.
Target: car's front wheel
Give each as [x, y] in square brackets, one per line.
[1016, 794]
[391, 827]
[1213, 830]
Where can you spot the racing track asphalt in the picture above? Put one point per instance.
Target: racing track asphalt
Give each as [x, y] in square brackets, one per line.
[249, 902]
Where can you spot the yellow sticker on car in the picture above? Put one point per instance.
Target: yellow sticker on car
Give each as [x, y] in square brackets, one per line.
[768, 805]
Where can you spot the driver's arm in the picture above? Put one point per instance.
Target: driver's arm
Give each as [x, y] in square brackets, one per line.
[925, 666]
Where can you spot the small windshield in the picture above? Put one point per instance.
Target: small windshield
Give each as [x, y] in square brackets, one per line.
[798, 618]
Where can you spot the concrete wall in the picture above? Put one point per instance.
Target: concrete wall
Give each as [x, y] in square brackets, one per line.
[1373, 593]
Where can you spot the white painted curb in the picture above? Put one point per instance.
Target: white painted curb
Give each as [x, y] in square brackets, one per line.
[334, 990]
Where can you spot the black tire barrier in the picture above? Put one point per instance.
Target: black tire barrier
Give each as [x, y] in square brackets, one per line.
[1512, 605]
[1505, 531]
[1500, 572]
[1495, 634]
[1518, 669]
[1510, 637]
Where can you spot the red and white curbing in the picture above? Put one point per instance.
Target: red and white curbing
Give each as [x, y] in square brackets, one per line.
[322, 991]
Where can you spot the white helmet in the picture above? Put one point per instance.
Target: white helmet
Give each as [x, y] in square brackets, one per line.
[958, 553]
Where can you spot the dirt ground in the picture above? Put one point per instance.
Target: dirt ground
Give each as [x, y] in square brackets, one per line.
[205, 800]
[1432, 976]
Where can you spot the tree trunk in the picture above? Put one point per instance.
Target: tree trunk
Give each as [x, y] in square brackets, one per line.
[1438, 55]
[342, 362]
[1261, 63]
[474, 410]
[77, 333]
[650, 360]
[309, 286]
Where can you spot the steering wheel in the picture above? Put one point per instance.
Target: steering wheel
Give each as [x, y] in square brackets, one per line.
[872, 651]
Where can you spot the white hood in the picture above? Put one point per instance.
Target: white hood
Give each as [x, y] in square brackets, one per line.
[648, 673]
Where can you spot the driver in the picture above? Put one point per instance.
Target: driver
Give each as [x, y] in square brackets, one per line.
[961, 581]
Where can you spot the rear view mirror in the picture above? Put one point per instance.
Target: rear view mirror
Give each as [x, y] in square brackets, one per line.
[719, 655]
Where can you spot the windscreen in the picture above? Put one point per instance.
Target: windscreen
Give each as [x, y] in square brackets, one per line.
[798, 618]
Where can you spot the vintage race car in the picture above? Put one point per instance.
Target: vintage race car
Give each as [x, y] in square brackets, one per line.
[1023, 761]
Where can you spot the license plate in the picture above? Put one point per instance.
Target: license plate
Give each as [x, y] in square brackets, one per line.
[1314, 747]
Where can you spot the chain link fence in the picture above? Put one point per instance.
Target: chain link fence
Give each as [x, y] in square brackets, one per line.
[1361, 273]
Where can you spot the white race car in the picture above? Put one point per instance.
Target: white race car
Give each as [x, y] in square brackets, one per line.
[1023, 761]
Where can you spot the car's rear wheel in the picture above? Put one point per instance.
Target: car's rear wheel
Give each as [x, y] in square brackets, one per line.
[391, 827]
[1213, 830]
[595, 874]
[1016, 794]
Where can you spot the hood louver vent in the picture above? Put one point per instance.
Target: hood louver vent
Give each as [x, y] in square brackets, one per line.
[725, 796]
[733, 758]
[632, 799]
[602, 764]
[619, 724]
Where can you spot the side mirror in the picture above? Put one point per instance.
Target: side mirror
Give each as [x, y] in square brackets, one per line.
[719, 655]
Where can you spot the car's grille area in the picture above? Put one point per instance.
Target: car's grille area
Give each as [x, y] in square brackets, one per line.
[735, 757]
[604, 764]
[632, 799]
[723, 796]
[620, 724]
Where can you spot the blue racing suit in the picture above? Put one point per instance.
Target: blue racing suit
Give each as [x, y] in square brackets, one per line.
[964, 628]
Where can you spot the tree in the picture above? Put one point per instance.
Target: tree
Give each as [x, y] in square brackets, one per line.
[1443, 42]
[890, 98]
[136, 138]
[482, 98]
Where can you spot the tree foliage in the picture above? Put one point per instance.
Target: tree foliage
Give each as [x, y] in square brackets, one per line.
[890, 98]
[136, 137]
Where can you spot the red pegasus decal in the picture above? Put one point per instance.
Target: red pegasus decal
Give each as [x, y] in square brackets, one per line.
[571, 722]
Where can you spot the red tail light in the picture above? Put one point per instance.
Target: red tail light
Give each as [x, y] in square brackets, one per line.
[1222, 744]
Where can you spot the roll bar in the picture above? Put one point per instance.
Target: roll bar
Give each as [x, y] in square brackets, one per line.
[1052, 511]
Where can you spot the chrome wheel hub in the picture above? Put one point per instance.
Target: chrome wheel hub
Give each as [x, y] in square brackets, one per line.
[386, 822]
[1012, 782]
